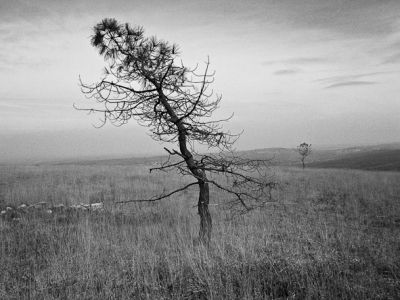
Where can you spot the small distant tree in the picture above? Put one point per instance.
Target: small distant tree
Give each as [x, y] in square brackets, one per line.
[304, 150]
[145, 81]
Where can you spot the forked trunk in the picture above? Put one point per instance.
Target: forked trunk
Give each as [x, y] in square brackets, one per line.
[205, 216]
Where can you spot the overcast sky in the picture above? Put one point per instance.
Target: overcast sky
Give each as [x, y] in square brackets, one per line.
[320, 71]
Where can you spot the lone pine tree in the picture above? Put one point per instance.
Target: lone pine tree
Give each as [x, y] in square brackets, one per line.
[145, 81]
[304, 150]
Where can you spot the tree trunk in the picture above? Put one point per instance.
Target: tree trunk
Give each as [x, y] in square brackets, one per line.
[205, 216]
[302, 161]
[204, 194]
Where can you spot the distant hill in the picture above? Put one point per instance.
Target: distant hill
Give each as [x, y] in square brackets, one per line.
[377, 160]
[378, 157]
[290, 156]
[385, 157]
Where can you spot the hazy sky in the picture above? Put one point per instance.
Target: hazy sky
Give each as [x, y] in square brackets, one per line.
[321, 71]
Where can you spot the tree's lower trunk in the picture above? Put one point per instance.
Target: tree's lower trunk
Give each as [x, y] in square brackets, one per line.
[195, 169]
[205, 216]
[302, 161]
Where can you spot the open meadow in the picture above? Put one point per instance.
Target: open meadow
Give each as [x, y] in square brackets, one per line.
[271, 129]
[330, 234]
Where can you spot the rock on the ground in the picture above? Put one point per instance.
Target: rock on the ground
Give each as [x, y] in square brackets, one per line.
[97, 206]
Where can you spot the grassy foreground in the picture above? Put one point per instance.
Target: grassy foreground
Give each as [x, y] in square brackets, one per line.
[330, 235]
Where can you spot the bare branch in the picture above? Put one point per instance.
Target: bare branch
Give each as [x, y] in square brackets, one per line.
[160, 197]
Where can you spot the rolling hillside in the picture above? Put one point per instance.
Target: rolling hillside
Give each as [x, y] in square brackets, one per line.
[379, 157]
[377, 160]
[384, 157]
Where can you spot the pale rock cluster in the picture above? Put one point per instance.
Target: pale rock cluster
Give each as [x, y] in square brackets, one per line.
[15, 213]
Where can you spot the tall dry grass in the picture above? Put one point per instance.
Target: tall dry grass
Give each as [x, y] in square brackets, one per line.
[330, 235]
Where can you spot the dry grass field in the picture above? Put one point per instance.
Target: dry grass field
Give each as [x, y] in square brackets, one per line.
[331, 234]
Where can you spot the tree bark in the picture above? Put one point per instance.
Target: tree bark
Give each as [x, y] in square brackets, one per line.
[302, 161]
[205, 216]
